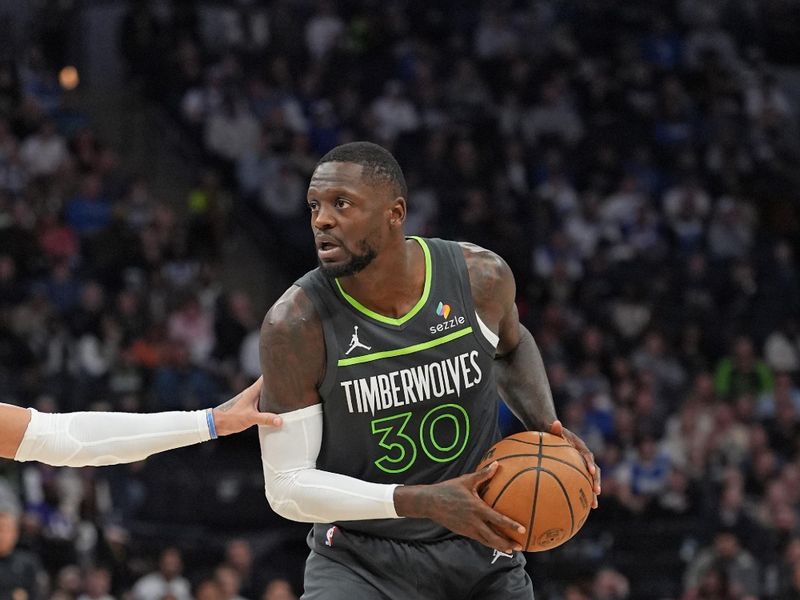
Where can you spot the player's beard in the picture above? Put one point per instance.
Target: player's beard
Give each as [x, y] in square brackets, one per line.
[358, 261]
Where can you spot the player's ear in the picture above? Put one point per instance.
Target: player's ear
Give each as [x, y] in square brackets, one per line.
[397, 212]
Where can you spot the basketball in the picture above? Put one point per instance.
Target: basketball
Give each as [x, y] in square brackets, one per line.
[542, 483]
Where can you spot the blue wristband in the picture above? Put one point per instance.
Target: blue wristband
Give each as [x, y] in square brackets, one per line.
[212, 428]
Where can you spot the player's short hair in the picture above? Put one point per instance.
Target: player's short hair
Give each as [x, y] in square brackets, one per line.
[379, 166]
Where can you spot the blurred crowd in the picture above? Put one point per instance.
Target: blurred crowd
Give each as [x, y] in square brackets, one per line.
[110, 299]
[636, 163]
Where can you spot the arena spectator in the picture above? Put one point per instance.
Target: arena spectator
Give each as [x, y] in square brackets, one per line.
[239, 557]
[609, 584]
[45, 152]
[278, 589]
[97, 585]
[230, 582]
[20, 570]
[742, 371]
[167, 580]
[727, 562]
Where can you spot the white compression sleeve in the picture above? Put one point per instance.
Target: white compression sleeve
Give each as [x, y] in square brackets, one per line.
[104, 438]
[297, 490]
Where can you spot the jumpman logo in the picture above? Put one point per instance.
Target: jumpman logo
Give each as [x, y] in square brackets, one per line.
[329, 536]
[497, 554]
[354, 343]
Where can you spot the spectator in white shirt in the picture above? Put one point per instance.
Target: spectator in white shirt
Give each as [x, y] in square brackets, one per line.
[232, 132]
[323, 30]
[44, 152]
[393, 112]
[167, 580]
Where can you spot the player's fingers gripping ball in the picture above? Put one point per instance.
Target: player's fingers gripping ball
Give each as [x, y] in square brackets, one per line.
[542, 483]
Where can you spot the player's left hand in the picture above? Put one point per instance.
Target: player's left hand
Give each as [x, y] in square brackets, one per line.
[558, 429]
[241, 412]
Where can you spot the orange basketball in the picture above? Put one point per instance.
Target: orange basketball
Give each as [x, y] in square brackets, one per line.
[542, 483]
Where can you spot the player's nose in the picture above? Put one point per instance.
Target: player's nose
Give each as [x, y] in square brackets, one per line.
[323, 219]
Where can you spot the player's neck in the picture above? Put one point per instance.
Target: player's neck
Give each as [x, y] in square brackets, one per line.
[392, 284]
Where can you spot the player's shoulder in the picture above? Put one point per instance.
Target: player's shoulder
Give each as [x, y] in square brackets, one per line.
[490, 280]
[484, 265]
[293, 312]
[292, 344]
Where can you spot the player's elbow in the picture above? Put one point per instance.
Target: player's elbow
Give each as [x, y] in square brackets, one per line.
[288, 509]
[284, 498]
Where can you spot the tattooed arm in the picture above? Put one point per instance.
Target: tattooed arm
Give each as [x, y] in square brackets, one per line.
[521, 374]
[293, 364]
[292, 354]
[520, 371]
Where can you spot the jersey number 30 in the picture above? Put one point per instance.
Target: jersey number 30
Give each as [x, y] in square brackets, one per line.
[443, 435]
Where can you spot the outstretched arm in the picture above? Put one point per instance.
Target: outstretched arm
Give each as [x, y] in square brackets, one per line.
[103, 438]
[521, 374]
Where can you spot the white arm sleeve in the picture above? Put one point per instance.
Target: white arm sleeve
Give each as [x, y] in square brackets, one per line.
[82, 439]
[297, 490]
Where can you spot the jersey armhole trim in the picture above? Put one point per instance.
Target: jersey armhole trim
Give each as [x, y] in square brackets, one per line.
[490, 335]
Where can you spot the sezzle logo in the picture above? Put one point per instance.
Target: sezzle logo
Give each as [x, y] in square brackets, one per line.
[443, 310]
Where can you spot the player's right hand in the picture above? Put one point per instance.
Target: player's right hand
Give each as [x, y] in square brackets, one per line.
[241, 412]
[456, 505]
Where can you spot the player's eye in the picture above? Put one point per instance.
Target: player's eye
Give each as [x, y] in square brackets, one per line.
[340, 203]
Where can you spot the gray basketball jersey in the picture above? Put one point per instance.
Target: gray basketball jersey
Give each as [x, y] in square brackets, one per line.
[407, 400]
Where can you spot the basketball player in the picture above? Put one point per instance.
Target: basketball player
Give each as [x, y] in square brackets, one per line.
[385, 364]
[104, 438]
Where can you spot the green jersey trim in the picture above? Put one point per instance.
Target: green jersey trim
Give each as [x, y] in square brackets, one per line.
[420, 303]
[344, 362]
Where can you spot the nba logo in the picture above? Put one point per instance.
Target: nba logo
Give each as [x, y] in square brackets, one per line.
[329, 536]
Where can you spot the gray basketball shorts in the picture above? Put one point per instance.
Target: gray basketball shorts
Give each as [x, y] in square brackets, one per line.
[344, 565]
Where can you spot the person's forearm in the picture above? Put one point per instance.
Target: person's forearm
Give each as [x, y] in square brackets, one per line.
[413, 500]
[103, 438]
[227, 423]
[523, 385]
